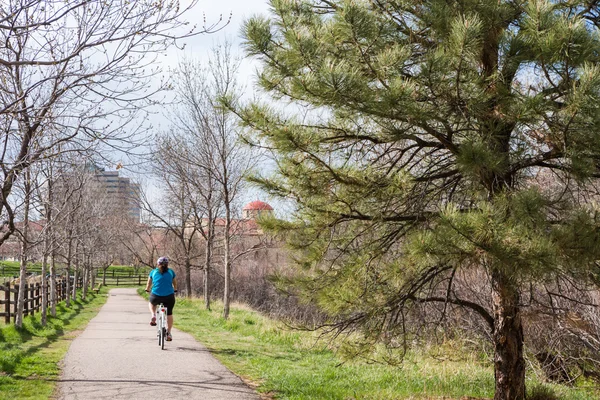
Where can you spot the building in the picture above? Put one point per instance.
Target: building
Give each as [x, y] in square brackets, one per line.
[255, 209]
[118, 191]
[246, 226]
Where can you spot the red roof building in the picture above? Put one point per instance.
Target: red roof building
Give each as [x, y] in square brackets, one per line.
[255, 208]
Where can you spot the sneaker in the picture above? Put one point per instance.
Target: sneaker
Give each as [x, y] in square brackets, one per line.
[153, 321]
[169, 337]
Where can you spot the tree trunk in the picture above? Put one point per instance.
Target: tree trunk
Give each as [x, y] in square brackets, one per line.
[84, 282]
[47, 250]
[69, 255]
[208, 254]
[53, 283]
[207, 261]
[87, 271]
[226, 263]
[75, 278]
[21, 293]
[509, 364]
[24, 253]
[44, 312]
[188, 276]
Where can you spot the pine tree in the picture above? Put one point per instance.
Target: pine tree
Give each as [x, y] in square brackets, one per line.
[422, 131]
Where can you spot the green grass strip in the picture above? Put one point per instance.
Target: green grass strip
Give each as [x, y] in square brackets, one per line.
[287, 364]
[29, 357]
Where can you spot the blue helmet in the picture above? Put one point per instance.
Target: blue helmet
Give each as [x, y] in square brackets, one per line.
[162, 261]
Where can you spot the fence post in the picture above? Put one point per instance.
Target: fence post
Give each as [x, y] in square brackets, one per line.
[38, 301]
[16, 298]
[117, 280]
[26, 299]
[7, 304]
[33, 298]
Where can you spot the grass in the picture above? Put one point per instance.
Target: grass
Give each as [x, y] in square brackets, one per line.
[29, 356]
[278, 362]
[12, 268]
[287, 364]
[124, 270]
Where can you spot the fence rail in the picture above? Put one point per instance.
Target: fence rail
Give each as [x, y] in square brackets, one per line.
[32, 298]
[125, 280]
[122, 274]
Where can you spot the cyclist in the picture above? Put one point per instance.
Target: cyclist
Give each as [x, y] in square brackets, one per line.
[164, 286]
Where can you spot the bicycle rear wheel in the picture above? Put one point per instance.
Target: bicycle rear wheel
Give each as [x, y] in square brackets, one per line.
[163, 334]
[159, 334]
[159, 330]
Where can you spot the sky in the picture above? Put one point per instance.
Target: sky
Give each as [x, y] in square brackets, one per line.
[198, 47]
[239, 10]
[236, 11]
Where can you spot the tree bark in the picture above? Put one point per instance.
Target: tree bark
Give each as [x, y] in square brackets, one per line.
[85, 273]
[69, 255]
[44, 311]
[207, 262]
[208, 254]
[226, 260]
[24, 253]
[47, 249]
[188, 276]
[53, 283]
[508, 339]
[75, 276]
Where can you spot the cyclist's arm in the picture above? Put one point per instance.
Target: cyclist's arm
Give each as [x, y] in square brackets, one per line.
[148, 284]
[175, 284]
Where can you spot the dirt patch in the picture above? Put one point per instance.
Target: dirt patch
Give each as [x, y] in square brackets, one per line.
[254, 385]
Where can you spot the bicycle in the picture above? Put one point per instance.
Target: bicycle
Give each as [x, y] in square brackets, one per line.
[161, 324]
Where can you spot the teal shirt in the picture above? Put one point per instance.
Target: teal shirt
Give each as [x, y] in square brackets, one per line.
[162, 284]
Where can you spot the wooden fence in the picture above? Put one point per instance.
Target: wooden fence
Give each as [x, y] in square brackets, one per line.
[125, 280]
[122, 277]
[32, 298]
[122, 274]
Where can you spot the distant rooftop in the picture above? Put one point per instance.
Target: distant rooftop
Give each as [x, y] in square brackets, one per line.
[257, 205]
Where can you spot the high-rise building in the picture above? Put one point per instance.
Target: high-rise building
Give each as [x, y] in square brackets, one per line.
[119, 191]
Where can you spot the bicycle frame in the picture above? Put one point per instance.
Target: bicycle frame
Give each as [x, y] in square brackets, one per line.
[161, 324]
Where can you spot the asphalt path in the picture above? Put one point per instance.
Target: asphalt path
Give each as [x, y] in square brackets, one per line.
[117, 357]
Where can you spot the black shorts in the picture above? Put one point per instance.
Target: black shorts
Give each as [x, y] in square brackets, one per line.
[167, 301]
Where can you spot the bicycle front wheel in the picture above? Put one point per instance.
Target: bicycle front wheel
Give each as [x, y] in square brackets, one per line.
[160, 331]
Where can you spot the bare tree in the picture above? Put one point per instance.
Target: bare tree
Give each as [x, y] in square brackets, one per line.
[189, 148]
[177, 210]
[213, 140]
[231, 160]
[24, 235]
[77, 72]
[47, 236]
[144, 242]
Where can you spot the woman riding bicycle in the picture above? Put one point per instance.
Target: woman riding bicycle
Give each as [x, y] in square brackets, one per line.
[164, 286]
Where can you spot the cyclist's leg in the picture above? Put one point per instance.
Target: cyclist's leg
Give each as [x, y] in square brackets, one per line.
[170, 303]
[152, 303]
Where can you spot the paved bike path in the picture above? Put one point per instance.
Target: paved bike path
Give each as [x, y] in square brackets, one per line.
[117, 357]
